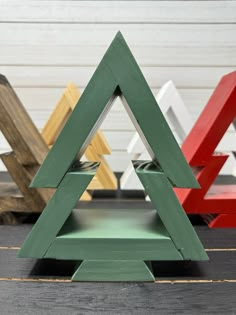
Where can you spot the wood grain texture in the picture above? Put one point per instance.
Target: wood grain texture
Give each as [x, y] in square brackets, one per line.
[58, 76]
[43, 41]
[218, 238]
[18, 128]
[13, 203]
[122, 12]
[32, 198]
[222, 54]
[121, 298]
[29, 150]
[172, 37]
[219, 267]
[96, 99]
[105, 178]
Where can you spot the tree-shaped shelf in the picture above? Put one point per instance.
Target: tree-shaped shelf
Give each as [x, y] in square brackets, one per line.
[114, 244]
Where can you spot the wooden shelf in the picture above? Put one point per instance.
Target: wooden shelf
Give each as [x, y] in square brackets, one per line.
[114, 234]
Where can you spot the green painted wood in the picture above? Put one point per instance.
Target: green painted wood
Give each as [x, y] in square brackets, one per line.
[117, 73]
[113, 234]
[108, 270]
[170, 211]
[114, 243]
[58, 209]
[80, 249]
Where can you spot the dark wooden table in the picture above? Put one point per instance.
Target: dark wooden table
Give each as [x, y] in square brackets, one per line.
[30, 286]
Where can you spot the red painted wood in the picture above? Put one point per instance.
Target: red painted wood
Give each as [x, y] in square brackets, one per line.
[215, 203]
[199, 148]
[223, 220]
[191, 198]
[213, 122]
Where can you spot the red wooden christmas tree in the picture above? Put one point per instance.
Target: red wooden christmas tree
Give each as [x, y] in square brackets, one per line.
[199, 148]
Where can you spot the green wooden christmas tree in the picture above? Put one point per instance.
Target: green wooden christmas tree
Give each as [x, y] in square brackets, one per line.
[114, 244]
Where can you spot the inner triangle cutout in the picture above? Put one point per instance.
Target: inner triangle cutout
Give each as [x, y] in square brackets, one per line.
[107, 238]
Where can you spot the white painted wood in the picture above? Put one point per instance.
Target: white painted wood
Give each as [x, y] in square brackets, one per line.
[89, 35]
[180, 121]
[156, 76]
[44, 44]
[129, 180]
[176, 112]
[55, 44]
[118, 11]
[23, 52]
[45, 98]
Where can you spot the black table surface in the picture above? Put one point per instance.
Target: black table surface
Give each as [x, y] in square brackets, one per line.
[30, 286]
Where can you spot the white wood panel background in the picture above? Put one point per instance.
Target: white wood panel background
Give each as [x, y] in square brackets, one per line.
[44, 44]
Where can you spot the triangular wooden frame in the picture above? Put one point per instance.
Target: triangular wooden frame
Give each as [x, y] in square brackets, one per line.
[178, 117]
[29, 151]
[220, 199]
[199, 148]
[117, 75]
[105, 178]
[22, 164]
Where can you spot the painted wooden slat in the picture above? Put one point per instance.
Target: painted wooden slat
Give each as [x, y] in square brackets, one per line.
[60, 205]
[50, 33]
[25, 43]
[178, 117]
[167, 54]
[163, 198]
[200, 145]
[129, 179]
[112, 78]
[120, 11]
[119, 160]
[180, 120]
[59, 170]
[116, 270]
[45, 98]
[194, 77]
[176, 112]
[105, 178]
[154, 35]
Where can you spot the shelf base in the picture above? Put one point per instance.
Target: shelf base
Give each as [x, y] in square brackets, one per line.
[113, 271]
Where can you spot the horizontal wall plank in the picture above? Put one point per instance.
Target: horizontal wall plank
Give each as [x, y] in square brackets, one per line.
[72, 55]
[119, 137]
[101, 35]
[184, 77]
[44, 44]
[59, 44]
[119, 11]
[46, 98]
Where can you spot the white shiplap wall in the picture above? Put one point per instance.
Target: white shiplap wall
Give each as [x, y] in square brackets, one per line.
[44, 44]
